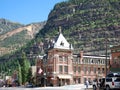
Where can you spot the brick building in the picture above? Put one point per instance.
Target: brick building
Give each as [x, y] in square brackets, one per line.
[115, 61]
[61, 66]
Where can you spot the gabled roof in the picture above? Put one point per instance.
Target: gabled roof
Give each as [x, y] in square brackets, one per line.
[61, 43]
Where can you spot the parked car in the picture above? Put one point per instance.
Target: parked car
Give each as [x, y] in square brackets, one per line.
[113, 74]
[112, 81]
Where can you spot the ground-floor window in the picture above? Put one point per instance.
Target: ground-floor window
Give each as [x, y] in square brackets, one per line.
[79, 80]
[85, 80]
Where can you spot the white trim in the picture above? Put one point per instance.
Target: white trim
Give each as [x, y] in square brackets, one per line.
[64, 76]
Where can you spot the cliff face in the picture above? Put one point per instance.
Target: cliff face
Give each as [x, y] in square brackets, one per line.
[86, 24]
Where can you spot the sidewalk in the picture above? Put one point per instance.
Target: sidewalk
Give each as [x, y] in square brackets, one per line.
[78, 86]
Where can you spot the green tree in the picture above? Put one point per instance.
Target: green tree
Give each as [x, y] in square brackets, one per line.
[19, 74]
[25, 66]
[29, 76]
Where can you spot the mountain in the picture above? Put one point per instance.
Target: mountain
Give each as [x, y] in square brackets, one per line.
[6, 25]
[90, 25]
[87, 24]
[14, 35]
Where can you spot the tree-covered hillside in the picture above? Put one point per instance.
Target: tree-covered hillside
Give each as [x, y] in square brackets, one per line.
[14, 35]
[85, 23]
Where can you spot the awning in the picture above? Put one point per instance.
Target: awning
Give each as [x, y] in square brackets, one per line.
[64, 76]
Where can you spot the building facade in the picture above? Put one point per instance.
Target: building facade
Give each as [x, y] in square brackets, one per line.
[61, 66]
[115, 61]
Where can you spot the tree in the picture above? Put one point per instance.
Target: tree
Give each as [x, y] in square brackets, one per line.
[29, 76]
[19, 74]
[25, 66]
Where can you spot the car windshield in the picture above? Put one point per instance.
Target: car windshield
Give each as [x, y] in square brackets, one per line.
[113, 75]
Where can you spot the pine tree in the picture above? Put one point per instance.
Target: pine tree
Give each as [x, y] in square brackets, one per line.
[25, 65]
[19, 74]
[29, 76]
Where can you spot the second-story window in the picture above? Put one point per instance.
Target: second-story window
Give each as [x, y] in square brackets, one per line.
[66, 69]
[60, 69]
[85, 70]
[89, 70]
[65, 58]
[94, 69]
[74, 68]
[98, 70]
[79, 69]
[60, 58]
[103, 70]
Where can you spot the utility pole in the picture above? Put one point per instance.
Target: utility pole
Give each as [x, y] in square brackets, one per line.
[106, 50]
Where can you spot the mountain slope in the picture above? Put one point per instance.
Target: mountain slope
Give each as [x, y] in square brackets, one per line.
[6, 26]
[14, 38]
[86, 24]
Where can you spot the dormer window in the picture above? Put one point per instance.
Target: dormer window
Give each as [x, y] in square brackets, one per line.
[62, 44]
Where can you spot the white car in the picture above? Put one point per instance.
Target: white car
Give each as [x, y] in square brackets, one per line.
[112, 81]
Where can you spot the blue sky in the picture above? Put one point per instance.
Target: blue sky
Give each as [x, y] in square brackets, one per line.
[26, 11]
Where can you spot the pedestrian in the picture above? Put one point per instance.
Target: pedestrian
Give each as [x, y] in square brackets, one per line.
[86, 83]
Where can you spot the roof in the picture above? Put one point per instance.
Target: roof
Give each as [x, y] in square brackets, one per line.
[62, 43]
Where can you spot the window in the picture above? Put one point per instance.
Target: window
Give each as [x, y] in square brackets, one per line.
[94, 70]
[89, 79]
[89, 70]
[117, 80]
[79, 80]
[74, 68]
[91, 61]
[66, 69]
[108, 79]
[85, 70]
[98, 61]
[62, 44]
[65, 58]
[113, 75]
[85, 80]
[103, 70]
[60, 69]
[86, 60]
[60, 58]
[98, 70]
[79, 69]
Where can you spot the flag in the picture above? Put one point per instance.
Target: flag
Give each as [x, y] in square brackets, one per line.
[40, 71]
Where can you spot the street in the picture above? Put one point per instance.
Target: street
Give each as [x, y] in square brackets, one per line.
[67, 87]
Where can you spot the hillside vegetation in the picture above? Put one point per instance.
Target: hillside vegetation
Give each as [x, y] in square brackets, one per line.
[13, 35]
[6, 26]
[86, 24]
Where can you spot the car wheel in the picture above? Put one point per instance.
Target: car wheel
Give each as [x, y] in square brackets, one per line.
[94, 87]
[107, 88]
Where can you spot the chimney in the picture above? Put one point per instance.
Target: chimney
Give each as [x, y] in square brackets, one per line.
[60, 30]
[81, 53]
[81, 56]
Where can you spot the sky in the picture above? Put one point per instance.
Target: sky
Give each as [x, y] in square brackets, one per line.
[26, 11]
